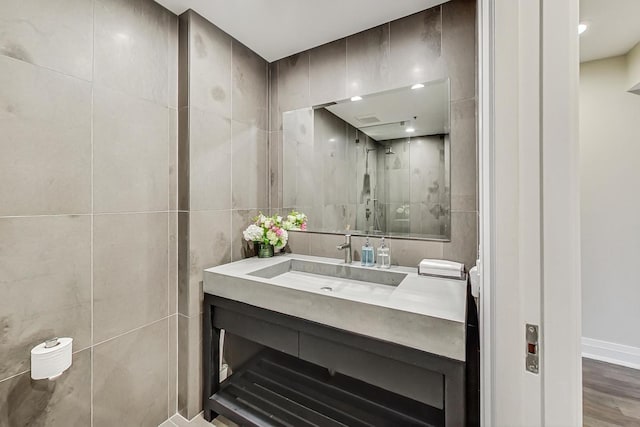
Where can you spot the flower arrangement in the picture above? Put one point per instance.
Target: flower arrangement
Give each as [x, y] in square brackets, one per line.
[296, 221]
[272, 231]
[268, 230]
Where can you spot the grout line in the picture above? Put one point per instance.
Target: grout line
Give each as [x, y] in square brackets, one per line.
[130, 331]
[93, 71]
[231, 160]
[44, 67]
[14, 375]
[45, 215]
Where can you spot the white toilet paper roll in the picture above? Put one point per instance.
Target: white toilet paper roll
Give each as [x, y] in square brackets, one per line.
[50, 362]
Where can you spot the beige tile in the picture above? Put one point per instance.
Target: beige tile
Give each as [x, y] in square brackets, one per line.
[209, 161]
[299, 242]
[275, 120]
[173, 61]
[167, 423]
[173, 159]
[249, 167]
[183, 262]
[459, 46]
[132, 48]
[56, 35]
[45, 285]
[189, 366]
[416, 48]
[131, 154]
[209, 67]
[464, 239]
[130, 378]
[130, 269]
[173, 365]
[173, 262]
[325, 245]
[249, 87]
[60, 403]
[328, 72]
[293, 82]
[45, 154]
[464, 175]
[275, 169]
[209, 245]
[240, 220]
[368, 61]
[183, 159]
[409, 253]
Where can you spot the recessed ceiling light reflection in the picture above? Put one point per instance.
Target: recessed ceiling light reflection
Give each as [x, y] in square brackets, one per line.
[356, 98]
[582, 28]
[409, 130]
[417, 86]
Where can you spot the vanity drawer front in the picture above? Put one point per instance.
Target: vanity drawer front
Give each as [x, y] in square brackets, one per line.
[257, 330]
[407, 380]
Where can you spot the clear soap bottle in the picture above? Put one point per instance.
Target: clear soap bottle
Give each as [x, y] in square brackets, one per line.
[384, 255]
[367, 257]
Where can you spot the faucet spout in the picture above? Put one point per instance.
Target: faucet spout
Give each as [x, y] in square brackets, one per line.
[346, 247]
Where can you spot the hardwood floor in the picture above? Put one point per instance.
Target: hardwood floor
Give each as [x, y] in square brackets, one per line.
[611, 394]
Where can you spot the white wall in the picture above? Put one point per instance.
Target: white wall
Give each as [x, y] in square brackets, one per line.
[610, 205]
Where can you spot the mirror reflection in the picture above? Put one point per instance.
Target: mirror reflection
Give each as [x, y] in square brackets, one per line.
[376, 164]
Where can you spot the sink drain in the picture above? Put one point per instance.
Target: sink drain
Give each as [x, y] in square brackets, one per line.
[326, 289]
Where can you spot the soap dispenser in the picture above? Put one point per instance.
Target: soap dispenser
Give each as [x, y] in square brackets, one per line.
[384, 255]
[367, 257]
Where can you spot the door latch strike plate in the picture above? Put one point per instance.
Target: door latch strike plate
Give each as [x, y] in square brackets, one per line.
[532, 349]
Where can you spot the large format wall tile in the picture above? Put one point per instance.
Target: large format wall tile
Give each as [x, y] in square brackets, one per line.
[130, 381]
[174, 158]
[173, 365]
[249, 87]
[240, 220]
[209, 246]
[130, 270]
[60, 403]
[464, 238]
[459, 46]
[45, 283]
[45, 153]
[249, 180]
[464, 174]
[132, 48]
[328, 72]
[368, 61]
[131, 155]
[416, 48]
[55, 35]
[292, 84]
[189, 365]
[209, 161]
[209, 67]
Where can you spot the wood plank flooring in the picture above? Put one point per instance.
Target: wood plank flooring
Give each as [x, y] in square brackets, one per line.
[611, 394]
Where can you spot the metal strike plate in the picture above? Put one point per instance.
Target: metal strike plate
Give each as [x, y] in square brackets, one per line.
[532, 349]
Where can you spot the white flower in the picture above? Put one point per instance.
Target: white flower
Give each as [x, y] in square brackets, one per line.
[268, 223]
[284, 237]
[272, 237]
[253, 233]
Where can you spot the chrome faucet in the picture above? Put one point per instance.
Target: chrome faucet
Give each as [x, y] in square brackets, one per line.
[346, 247]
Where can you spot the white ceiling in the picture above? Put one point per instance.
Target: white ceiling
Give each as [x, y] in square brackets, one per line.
[386, 115]
[278, 28]
[613, 28]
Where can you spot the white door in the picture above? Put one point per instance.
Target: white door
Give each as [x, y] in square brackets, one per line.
[529, 231]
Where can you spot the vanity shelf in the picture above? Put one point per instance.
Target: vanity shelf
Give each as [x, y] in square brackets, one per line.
[275, 389]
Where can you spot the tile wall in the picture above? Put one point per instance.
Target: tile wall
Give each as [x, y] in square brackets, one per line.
[223, 173]
[88, 223]
[429, 45]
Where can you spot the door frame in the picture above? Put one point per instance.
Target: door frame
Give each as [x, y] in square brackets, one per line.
[529, 210]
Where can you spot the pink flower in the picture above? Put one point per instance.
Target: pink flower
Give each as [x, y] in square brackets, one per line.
[303, 227]
[279, 232]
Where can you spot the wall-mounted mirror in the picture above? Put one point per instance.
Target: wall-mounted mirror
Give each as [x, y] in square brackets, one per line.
[378, 164]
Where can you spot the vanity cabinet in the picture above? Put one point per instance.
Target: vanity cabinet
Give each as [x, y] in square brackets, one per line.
[431, 386]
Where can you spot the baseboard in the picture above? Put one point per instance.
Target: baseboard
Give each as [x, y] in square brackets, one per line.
[609, 352]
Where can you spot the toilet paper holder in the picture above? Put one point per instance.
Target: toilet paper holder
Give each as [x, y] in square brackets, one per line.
[51, 358]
